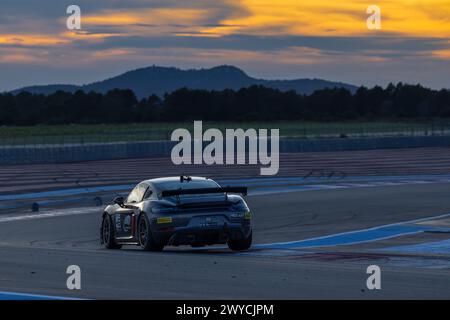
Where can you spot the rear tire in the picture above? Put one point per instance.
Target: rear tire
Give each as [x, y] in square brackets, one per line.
[240, 245]
[146, 240]
[108, 233]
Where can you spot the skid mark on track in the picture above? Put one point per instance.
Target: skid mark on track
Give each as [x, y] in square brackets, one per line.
[355, 237]
[304, 248]
[346, 238]
[63, 193]
[362, 236]
[52, 214]
[259, 186]
[436, 247]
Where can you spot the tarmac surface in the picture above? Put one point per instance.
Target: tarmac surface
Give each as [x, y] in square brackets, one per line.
[35, 251]
[318, 225]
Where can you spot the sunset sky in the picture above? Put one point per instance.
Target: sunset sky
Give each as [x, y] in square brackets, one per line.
[268, 39]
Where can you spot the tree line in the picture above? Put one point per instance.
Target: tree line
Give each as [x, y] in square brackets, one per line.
[255, 103]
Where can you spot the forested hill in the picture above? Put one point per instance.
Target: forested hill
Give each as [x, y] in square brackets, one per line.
[160, 80]
[255, 103]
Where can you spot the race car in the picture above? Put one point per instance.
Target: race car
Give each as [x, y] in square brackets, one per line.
[178, 211]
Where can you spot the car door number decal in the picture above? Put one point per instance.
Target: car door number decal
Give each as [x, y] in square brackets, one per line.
[123, 222]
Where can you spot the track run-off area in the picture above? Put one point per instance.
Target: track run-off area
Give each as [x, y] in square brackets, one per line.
[314, 236]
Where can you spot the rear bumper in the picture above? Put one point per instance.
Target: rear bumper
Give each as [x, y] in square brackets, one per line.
[195, 235]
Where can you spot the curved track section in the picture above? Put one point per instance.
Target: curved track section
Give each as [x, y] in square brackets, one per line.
[36, 249]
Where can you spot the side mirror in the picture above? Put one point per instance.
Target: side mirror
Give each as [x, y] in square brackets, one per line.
[119, 200]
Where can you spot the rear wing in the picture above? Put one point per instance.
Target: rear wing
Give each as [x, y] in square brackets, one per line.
[169, 193]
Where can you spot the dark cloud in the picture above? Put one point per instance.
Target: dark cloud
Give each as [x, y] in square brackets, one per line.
[395, 45]
[53, 10]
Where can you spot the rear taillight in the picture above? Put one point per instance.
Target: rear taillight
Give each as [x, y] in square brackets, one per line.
[239, 206]
[242, 215]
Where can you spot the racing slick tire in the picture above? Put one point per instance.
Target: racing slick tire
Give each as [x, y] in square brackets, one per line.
[146, 240]
[107, 233]
[243, 244]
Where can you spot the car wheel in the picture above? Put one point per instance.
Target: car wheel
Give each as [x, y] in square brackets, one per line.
[145, 236]
[108, 233]
[243, 244]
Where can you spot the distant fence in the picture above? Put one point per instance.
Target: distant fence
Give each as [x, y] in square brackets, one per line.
[127, 150]
[114, 133]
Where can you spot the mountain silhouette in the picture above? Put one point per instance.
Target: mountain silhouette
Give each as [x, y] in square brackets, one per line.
[160, 80]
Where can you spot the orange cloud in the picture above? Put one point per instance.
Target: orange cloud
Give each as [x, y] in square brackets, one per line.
[65, 38]
[23, 55]
[340, 18]
[17, 58]
[151, 17]
[111, 53]
[111, 19]
[31, 40]
[84, 35]
[442, 54]
[406, 18]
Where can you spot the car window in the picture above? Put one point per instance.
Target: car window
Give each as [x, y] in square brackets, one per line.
[141, 192]
[138, 193]
[134, 195]
[175, 185]
[148, 194]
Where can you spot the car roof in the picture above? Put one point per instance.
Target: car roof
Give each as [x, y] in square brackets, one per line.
[170, 179]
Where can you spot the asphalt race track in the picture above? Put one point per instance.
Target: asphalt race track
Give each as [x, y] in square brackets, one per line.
[36, 252]
[313, 243]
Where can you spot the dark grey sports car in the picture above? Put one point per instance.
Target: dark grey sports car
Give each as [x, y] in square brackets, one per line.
[178, 211]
